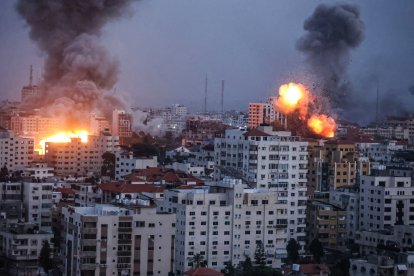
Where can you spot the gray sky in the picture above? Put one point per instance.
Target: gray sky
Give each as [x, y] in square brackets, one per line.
[166, 48]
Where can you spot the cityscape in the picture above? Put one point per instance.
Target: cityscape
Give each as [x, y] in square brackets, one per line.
[315, 177]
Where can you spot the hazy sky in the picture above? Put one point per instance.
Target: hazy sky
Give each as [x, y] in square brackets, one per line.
[166, 48]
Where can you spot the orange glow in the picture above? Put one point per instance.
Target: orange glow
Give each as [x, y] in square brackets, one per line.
[292, 97]
[62, 137]
[322, 125]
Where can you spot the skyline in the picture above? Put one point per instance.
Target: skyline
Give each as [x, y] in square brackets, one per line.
[252, 49]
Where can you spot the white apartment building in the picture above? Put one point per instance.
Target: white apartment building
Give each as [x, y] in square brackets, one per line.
[125, 163]
[15, 152]
[39, 171]
[270, 159]
[348, 200]
[111, 240]
[224, 222]
[179, 110]
[11, 207]
[80, 158]
[203, 156]
[385, 201]
[20, 247]
[380, 152]
[37, 201]
[187, 168]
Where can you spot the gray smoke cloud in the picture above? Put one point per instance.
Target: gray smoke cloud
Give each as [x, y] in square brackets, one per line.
[331, 33]
[79, 73]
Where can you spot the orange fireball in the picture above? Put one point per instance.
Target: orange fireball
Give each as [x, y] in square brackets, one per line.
[322, 125]
[294, 97]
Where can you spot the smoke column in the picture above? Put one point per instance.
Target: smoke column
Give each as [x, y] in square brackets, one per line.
[331, 33]
[79, 72]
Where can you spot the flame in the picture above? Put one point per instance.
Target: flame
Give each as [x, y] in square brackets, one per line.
[62, 137]
[297, 97]
[322, 125]
[292, 97]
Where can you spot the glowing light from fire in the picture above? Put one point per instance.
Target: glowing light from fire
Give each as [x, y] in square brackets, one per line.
[292, 97]
[297, 97]
[322, 125]
[63, 137]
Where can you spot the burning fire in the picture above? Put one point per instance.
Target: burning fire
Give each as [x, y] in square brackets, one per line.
[63, 137]
[322, 125]
[296, 97]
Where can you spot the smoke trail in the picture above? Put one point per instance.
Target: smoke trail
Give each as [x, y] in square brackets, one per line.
[331, 32]
[78, 69]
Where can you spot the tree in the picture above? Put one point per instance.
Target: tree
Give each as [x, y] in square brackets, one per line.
[259, 255]
[4, 173]
[108, 165]
[198, 260]
[44, 259]
[316, 249]
[229, 269]
[247, 267]
[292, 249]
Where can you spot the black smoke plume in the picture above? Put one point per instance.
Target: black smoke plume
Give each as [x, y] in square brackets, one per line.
[78, 71]
[331, 33]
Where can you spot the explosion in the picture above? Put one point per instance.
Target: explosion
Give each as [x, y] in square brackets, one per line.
[63, 137]
[322, 125]
[295, 97]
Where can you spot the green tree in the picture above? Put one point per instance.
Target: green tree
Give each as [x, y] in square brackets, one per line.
[316, 249]
[44, 259]
[259, 255]
[229, 269]
[247, 267]
[198, 260]
[292, 249]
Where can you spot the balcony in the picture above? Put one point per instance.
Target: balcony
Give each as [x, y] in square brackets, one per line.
[89, 230]
[123, 265]
[124, 229]
[124, 253]
[124, 241]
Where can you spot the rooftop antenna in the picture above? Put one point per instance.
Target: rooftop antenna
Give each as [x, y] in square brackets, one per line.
[222, 97]
[205, 96]
[31, 76]
[377, 106]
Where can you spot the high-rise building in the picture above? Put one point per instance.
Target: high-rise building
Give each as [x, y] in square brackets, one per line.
[264, 113]
[112, 240]
[328, 224]
[15, 152]
[269, 159]
[225, 222]
[98, 124]
[121, 123]
[38, 204]
[385, 201]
